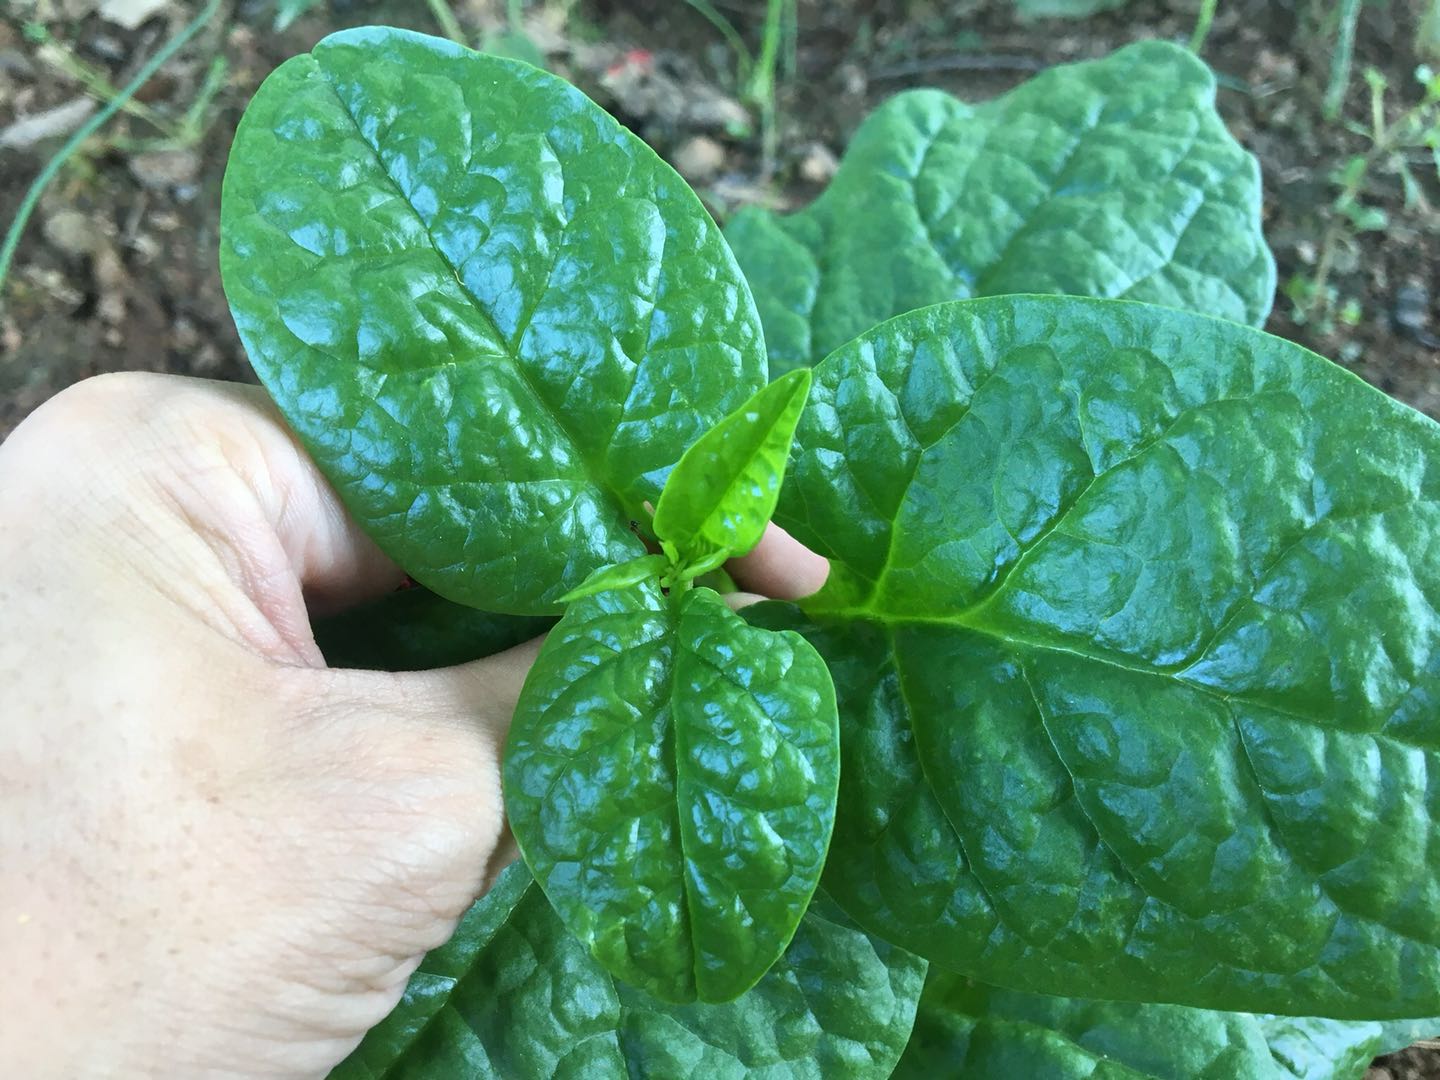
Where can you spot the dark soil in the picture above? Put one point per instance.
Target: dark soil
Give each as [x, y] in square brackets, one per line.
[117, 271]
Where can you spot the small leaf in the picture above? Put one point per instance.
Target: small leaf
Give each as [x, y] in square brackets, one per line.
[495, 318]
[722, 493]
[1111, 178]
[1132, 621]
[513, 996]
[966, 1031]
[670, 777]
[618, 577]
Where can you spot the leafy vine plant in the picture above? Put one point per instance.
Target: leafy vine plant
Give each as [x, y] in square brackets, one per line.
[1107, 749]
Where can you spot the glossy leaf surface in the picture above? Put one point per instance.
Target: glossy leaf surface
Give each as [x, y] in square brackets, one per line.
[1131, 621]
[514, 996]
[721, 495]
[1111, 178]
[670, 777]
[966, 1031]
[494, 316]
[414, 630]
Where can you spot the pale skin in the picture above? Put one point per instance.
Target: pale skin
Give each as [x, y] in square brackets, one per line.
[219, 857]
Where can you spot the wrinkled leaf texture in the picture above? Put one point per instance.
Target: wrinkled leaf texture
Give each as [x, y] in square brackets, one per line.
[1131, 620]
[513, 996]
[1113, 178]
[670, 777]
[493, 315]
[966, 1031]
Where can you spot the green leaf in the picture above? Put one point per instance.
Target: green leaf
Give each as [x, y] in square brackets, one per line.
[721, 495]
[514, 997]
[670, 777]
[414, 630]
[1132, 621]
[619, 577]
[494, 316]
[966, 1031]
[1398, 1034]
[1112, 178]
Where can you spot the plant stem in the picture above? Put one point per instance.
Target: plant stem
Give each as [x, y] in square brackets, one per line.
[1202, 25]
[1344, 55]
[792, 39]
[62, 59]
[744, 61]
[762, 83]
[1428, 39]
[449, 25]
[66, 152]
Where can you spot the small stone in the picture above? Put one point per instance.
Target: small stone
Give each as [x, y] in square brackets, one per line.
[166, 170]
[699, 158]
[710, 110]
[70, 232]
[819, 164]
[110, 282]
[130, 13]
[52, 123]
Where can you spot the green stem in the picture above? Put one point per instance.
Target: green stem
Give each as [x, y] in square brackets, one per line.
[1202, 25]
[744, 62]
[94, 124]
[449, 25]
[762, 84]
[792, 39]
[1344, 55]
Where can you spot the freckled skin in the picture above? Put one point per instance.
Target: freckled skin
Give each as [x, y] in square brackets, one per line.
[219, 857]
[216, 855]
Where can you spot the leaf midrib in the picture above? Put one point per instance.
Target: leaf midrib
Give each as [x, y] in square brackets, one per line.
[595, 474]
[963, 621]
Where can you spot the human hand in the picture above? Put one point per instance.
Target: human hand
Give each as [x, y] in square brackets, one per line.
[217, 855]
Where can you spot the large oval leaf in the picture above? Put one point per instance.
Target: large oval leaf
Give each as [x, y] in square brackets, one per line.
[670, 776]
[514, 997]
[1112, 178]
[495, 317]
[966, 1031]
[1132, 621]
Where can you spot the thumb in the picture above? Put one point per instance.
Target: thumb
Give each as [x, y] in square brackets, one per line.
[411, 763]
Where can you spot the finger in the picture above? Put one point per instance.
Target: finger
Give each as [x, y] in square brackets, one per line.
[432, 741]
[780, 567]
[202, 496]
[739, 600]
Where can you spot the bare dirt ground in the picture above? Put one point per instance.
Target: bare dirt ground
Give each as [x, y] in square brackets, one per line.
[117, 270]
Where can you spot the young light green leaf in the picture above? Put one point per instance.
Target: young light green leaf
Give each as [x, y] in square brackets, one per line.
[618, 577]
[414, 630]
[1111, 178]
[1130, 618]
[721, 495]
[966, 1031]
[514, 996]
[493, 315]
[670, 777]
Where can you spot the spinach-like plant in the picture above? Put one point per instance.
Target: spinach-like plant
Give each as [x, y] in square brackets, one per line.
[1124, 684]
